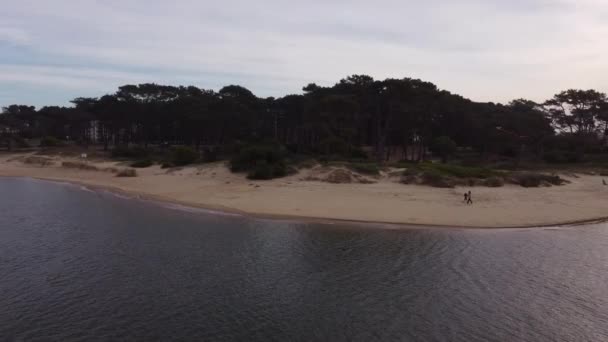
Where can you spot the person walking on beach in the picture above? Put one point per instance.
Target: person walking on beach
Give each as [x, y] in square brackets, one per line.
[469, 199]
[466, 197]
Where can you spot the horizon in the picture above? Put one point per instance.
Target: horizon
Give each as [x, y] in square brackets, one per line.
[486, 51]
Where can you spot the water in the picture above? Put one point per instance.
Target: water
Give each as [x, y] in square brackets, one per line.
[79, 265]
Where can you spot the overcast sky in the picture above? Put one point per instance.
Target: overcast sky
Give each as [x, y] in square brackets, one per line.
[487, 50]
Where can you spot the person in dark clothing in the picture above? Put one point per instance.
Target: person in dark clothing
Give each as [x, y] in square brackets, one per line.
[466, 197]
[469, 199]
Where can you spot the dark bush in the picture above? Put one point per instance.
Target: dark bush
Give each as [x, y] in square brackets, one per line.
[263, 161]
[494, 182]
[357, 153]
[264, 171]
[143, 163]
[21, 143]
[248, 157]
[533, 180]
[365, 168]
[130, 153]
[454, 170]
[411, 171]
[436, 179]
[559, 157]
[183, 155]
[579, 143]
[210, 155]
[573, 157]
[50, 142]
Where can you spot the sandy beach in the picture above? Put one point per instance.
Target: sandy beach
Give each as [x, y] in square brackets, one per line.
[213, 186]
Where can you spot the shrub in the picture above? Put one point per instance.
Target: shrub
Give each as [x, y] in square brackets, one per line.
[50, 142]
[365, 168]
[357, 153]
[290, 170]
[306, 163]
[142, 163]
[247, 158]
[264, 161]
[183, 155]
[130, 153]
[42, 161]
[557, 157]
[532, 180]
[127, 173]
[210, 155]
[409, 179]
[573, 157]
[436, 179]
[261, 171]
[21, 143]
[79, 165]
[339, 176]
[494, 182]
[264, 171]
[455, 170]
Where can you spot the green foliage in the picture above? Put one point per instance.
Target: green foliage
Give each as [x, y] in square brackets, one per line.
[21, 143]
[50, 142]
[562, 157]
[79, 165]
[210, 155]
[456, 170]
[436, 179]
[533, 180]
[302, 162]
[183, 155]
[365, 168]
[447, 175]
[357, 153]
[329, 122]
[445, 147]
[494, 182]
[263, 161]
[124, 152]
[264, 170]
[143, 163]
[249, 156]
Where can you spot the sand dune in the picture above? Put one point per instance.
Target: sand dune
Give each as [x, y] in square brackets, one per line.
[213, 186]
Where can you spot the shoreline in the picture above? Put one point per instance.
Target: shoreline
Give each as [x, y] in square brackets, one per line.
[222, 210]
[304, 198]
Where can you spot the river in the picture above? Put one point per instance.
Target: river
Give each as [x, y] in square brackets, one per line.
[89, 265]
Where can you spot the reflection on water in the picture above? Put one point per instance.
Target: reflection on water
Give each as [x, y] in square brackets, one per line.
[77, 265]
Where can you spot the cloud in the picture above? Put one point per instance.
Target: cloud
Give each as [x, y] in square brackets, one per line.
[12, 35]
[483, 49]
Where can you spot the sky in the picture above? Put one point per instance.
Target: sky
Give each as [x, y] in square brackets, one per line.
[486, 50]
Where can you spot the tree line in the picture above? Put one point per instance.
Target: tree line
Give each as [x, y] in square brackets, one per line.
[358, 113]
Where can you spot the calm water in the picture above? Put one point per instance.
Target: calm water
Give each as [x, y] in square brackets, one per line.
[78, 265]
